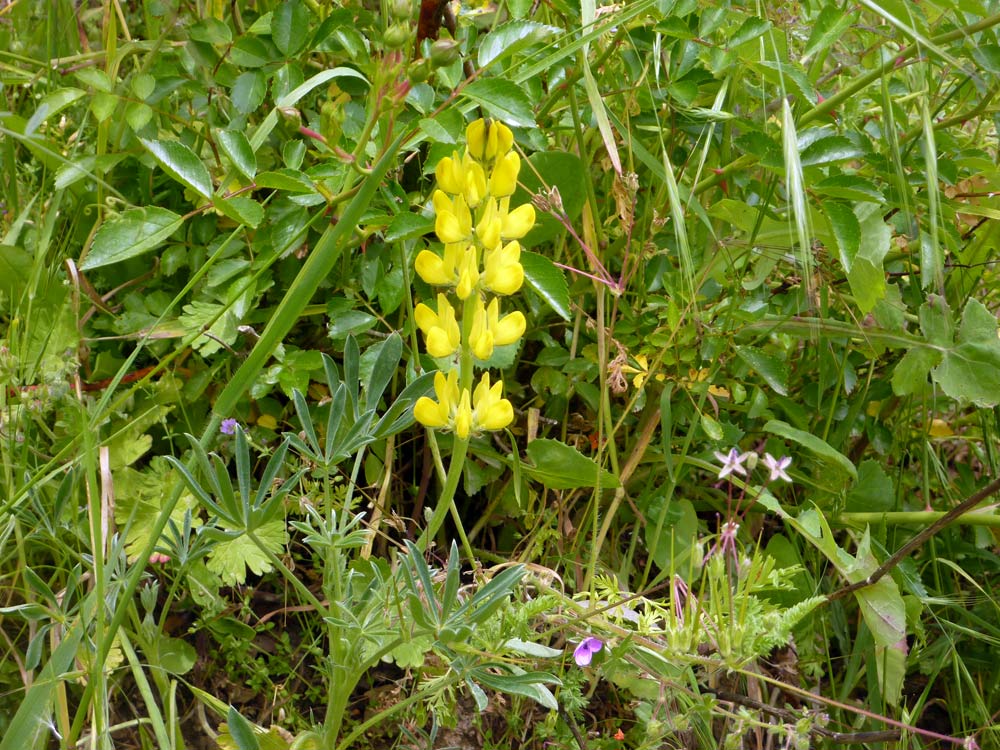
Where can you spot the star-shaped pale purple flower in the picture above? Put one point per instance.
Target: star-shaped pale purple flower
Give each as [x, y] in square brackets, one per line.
[732, 463]
[584, 653]
[228, 426]
[777, 467]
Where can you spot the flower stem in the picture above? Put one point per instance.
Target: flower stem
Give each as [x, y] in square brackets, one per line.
[447, 499]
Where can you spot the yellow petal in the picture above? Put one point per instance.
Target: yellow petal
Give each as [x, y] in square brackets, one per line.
[431, 269]
[429, 413]
[439, 343]
[463, 417]
[510, 329]
[448, 228]
[449, 175]
[475, 137]
[518, 222]
[426, 318]
[503, 181]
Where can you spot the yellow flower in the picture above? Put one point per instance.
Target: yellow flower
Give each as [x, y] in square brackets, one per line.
[453, 222]
[462, 176]
[489, 226]
[492, 411]
[503, 180]
[440, 271]
[441, 332]
[488, 140]
[468, 273]
[490, 330]
[502, 272]
[464, 421]
[517, 223]
[438, 414]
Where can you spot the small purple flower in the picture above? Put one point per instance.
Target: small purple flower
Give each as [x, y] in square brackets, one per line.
[733, 462]
[228, 426]
[777, 467]
[584, 653]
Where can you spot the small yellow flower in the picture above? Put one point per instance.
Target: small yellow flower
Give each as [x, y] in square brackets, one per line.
[489, 226]
[440, 271]
[502, 272]
[488, 140]
[438, 414]
[441, 332]
[468, 273]
[503, 180]
[517, 223]
[453, 222]
[490, 330]
[462, 176]
[492, 411]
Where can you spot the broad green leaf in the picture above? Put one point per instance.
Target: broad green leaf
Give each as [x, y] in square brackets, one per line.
[828, 27]
[176, 655]
[849, 187]
[750, 29]
[248, 91]
[236, 147]
[529, 648]
[936, 321]
[285, 179]
[503, 100]
[910, 374]
[135, 232]
[970, 371]
[509, 38]
[182, 164]
[408, 226]
[15, 270]
[290, 26]
[873, 492]
[813, 443]
[52, 104]
[561, 467]
[558, 169]
[211, 31]
[828, 150]
[548, 281]
[671, 533]
[249, 52]
[241, 209]
[773, 370]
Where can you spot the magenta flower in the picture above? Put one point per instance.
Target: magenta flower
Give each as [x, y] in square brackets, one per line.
[584, 653]
[228, 426]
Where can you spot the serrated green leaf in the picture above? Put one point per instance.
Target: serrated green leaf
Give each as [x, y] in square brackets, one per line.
[548, 281]
[561, 467]
[558, 169]
[285, 179]
[135, 232]
[509, 38]
[749, 30]
[248, 91]
[910, 374]
[828, 150]
[849, 187]
[828, 27]
[182, 164]
[290, 26]
[502, 99]
[408, 227]
[970, 371]
[873, 492]
[241, 209]
[237, 149]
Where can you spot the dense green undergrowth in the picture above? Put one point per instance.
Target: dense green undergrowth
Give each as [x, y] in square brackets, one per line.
[695, 304]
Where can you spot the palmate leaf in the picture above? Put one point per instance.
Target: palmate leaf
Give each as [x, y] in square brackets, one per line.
[230, 559]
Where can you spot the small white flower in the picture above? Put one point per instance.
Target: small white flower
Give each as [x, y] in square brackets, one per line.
[777, 467]
[732, 463]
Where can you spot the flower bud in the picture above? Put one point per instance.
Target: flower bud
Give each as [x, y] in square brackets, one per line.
[396, 36]
[419, 71]
[444, 52]
[402, 10]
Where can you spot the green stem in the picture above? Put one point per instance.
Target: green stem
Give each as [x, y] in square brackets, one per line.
[447, 499]
[914, 518]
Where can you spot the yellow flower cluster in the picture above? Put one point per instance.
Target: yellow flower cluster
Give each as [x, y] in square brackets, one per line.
[480, 262]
